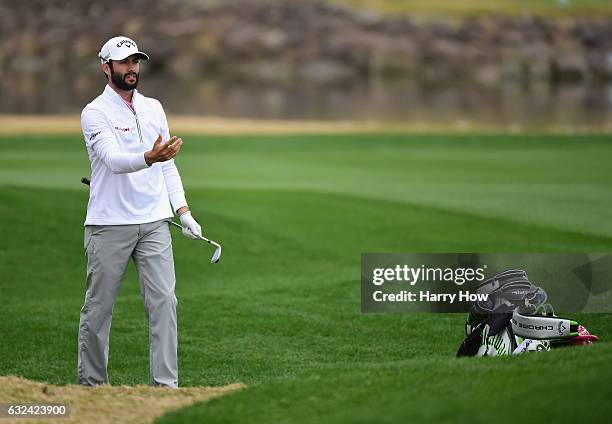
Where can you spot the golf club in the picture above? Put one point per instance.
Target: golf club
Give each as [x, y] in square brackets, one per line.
[215, 257]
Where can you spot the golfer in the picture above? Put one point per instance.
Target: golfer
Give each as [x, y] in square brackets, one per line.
[135, 190]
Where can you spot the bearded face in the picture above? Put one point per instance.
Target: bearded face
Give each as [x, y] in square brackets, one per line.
[125, 81]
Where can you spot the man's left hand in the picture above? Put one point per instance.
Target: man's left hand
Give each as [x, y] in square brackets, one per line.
[191, 229]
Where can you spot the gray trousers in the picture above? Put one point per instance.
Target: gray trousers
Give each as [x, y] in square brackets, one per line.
[109, 248]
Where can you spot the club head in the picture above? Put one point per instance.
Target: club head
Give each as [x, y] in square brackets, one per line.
[216, 256]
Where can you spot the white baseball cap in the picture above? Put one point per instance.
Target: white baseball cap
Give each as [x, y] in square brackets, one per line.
[118, 48]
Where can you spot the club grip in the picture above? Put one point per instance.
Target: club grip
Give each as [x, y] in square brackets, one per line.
[85, 180]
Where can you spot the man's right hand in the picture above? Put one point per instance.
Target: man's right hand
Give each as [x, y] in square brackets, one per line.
[163, 152]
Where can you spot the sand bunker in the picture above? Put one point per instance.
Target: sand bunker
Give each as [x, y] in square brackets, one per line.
[104, 404]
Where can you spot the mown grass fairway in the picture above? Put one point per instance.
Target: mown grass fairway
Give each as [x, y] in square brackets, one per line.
[281, 311]
[471, 8]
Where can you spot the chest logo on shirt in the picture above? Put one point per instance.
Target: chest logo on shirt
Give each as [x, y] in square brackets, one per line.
[123, 129]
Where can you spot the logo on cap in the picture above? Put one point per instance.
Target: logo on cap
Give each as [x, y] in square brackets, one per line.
[128, 43]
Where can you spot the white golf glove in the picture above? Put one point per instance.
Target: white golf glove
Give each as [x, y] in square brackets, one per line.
[191, 229]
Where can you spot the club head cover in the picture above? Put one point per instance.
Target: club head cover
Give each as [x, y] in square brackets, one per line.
[508, 291]
[583, 337]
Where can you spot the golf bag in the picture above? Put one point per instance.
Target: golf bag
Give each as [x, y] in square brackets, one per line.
[516, 319]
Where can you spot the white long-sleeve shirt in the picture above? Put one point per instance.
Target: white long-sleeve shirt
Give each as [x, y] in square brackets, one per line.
[124, 189]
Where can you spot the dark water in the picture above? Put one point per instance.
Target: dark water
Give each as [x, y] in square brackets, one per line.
[512, 104]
